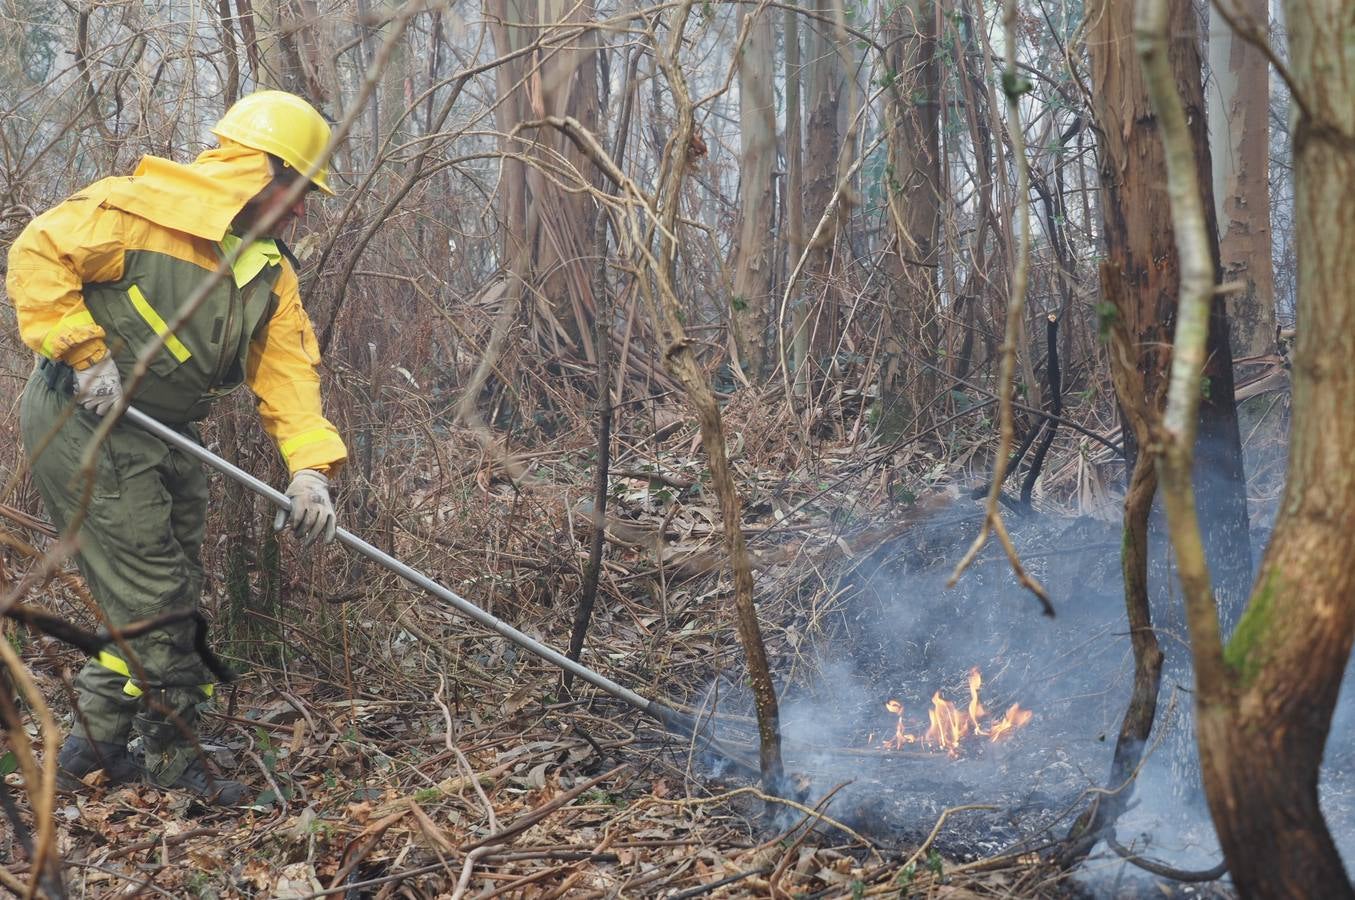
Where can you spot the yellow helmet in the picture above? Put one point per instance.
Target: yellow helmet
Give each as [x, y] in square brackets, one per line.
[284, 125]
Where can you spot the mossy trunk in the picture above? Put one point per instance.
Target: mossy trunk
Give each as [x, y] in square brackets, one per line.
[1265, 702]
[1263, 731]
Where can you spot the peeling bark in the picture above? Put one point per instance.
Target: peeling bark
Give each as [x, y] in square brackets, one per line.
[550, 218]
[1138, 240]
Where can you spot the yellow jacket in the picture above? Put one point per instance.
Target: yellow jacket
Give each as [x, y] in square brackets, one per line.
[108, 265]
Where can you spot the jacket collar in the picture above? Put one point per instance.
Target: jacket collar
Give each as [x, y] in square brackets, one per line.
[201, 197]
[251, 261]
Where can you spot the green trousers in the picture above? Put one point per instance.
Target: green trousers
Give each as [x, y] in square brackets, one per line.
[145, 509]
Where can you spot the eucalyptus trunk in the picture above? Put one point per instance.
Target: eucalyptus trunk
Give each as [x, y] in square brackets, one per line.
[545, 221]
[757, 129]
[822, 144]
[1141, 284]
[1239, 141]
[1136, 212]
[913, 188]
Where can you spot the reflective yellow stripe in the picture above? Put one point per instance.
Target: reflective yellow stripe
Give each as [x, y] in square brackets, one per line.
[73, 320]
[305, 439]
[119, 665]
[157, 324]
[114, 663]
[252, 259]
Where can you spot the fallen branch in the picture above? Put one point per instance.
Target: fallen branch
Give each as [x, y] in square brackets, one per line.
[527, 821]
[356, 853]
[770, 798]
[1157, 867]
[799, 841]
[936, 829]
[731, 879]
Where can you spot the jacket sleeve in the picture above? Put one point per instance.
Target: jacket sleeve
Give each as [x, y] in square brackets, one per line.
[281, 373]
[74, 243]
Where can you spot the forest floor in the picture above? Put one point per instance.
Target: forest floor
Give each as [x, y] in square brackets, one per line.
[467, 770]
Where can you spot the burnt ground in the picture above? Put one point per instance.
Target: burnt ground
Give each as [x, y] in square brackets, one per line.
[904, 634]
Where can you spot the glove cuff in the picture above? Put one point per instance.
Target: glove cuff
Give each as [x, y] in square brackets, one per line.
[90, 353]
[312, 473]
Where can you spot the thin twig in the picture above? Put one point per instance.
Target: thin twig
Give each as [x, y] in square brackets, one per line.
[768, 798]
[461, 757]
[936, 829]
[992, 520]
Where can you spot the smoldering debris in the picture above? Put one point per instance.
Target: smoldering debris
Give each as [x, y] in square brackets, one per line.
[904, 635]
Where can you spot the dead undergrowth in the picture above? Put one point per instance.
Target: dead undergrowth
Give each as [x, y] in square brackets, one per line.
[398, 752]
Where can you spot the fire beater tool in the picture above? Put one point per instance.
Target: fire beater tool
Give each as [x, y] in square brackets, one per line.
[663, 713]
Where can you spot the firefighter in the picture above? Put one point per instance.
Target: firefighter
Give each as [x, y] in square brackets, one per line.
[94, 281]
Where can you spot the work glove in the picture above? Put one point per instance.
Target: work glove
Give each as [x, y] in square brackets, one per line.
[98, 387]
[312, 513]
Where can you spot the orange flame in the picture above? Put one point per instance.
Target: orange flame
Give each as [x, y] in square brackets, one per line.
[901, 736]
[1014, 718]
[976, 710]
[949, 726]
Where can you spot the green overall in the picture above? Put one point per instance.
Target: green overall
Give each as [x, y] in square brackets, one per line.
[140, 540]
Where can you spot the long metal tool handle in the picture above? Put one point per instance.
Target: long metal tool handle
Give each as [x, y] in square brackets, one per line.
[663, 713]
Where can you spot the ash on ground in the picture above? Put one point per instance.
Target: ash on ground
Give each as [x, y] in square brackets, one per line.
[905, 635]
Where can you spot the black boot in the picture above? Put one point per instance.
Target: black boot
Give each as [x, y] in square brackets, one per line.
[174, 763]
[196, 780]
[80, 756]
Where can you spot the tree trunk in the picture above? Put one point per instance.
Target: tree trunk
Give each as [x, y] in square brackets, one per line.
[682, 362]
[538, 216]
[1265, 714]
[1141, 283]
[821, 155]
[1135, 210]
[794, 226]
[753, 266]
[1101, 814]
[568, 88]
[914, 196]
[1239, 139]
[231, 88]
[291, 49]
